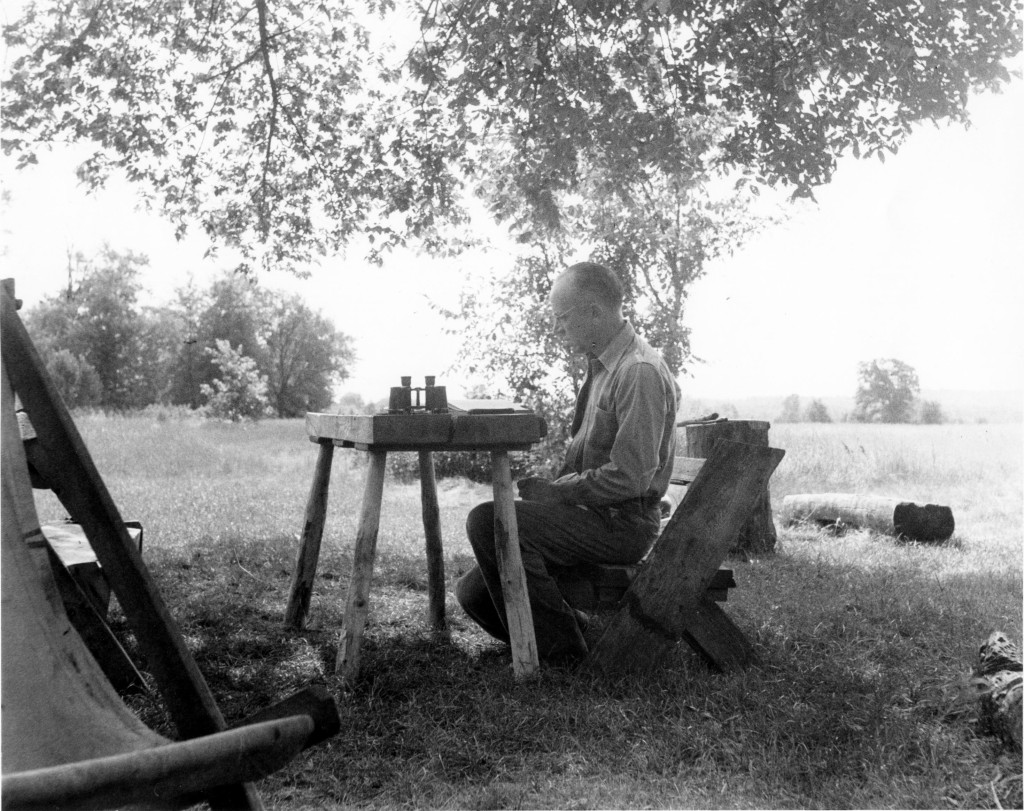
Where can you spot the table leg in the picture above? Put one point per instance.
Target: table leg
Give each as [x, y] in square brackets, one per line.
[510, 565]
[309, 545]
[358, 605]
[432, 532]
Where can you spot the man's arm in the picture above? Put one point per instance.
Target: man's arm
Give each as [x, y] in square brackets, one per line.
[641, 406]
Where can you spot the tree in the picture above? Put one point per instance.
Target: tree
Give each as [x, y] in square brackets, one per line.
[278, 130]
[76, 381]
[298, 350]
[790, 409]
[931, 413]
[305, 358]
[817, 412]
[240, 391]
[886, 391]
[98, 322]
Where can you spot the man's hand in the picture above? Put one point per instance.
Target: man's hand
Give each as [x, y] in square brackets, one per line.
[535, 488]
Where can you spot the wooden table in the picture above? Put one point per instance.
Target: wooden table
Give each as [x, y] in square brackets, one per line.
[422, 432]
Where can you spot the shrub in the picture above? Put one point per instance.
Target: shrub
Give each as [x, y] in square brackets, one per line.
[76, 379]
[240, 392]
[458, 464]
[931, 413]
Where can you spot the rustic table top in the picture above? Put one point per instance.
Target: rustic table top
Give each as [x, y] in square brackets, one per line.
[425, 431]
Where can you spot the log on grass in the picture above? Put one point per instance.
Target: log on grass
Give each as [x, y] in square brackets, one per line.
[890, 516]
[998, 679]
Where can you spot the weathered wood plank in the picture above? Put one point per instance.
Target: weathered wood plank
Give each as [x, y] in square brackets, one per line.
[525, 660]
[758, 535]
[685, 469]
[96, 634]
[662, 602]
[419, 431]
[358, 605]
[309, 544]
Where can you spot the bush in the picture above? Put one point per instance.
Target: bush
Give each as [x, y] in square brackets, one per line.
[75, 378]
[931, 413]
[240, 392]
[458, 464]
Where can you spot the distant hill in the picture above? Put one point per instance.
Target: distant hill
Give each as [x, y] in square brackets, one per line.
[958, 406]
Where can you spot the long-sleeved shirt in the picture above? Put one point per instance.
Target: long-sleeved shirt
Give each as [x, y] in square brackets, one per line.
[625, 445]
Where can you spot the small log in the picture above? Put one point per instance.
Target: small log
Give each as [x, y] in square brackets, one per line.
[998, 679]
[889, 516]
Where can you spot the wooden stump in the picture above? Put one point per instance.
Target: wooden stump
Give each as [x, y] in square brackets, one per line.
[758, 534]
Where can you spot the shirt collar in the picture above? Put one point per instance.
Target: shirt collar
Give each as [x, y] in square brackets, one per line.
[617, 346]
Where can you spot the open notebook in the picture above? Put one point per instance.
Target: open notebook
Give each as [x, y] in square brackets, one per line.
[487, 407]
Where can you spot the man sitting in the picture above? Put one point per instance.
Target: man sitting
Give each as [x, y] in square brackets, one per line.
[603, 506]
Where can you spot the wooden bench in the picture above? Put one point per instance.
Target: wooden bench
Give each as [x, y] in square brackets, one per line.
[667, 602]
[601, 587]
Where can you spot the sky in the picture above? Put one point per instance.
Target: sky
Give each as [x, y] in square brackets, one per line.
[918, 258]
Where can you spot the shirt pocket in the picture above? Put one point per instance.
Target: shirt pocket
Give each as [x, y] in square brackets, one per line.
[598, 448]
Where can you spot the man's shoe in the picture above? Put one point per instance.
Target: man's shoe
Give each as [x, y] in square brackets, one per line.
[582, 619]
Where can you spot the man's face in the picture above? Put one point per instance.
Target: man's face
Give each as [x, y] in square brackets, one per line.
[572, 318]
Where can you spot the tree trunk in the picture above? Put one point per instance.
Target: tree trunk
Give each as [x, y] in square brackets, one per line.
[999, 682]
[890, 516]
[758, 535]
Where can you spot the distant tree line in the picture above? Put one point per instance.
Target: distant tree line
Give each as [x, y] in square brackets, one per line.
[887, 391]
[232, 347]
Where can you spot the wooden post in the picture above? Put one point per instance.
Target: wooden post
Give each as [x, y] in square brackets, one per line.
[435, 553]
[358, 604]
[525, 660]
[309, 544]
[758, 535]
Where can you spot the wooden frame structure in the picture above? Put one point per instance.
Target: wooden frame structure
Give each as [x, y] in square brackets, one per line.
[69, 741]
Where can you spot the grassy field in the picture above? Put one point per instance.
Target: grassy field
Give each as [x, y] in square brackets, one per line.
[867, 643]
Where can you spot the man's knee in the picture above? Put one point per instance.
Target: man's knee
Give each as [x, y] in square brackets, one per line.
[480, 525]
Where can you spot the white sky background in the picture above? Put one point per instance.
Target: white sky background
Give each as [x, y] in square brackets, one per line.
[918, 258]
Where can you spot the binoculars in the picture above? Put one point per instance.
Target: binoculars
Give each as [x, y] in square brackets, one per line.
[431, 399]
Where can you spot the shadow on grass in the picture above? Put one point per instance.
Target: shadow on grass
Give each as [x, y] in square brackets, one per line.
[858, 702]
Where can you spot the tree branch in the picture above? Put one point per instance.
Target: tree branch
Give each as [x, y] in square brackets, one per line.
[265, 48]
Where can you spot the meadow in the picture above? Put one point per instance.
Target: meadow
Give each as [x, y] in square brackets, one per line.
[862, 699]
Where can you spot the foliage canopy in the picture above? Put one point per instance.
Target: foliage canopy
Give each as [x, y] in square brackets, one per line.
[285, 131]
[104, 348]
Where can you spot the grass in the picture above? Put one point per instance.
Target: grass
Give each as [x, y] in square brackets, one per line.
[867, 643]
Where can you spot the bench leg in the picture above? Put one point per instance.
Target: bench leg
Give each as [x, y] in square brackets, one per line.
[309, 545]
[525, 661]
[435, 554]
[712, 633]
[358, 606]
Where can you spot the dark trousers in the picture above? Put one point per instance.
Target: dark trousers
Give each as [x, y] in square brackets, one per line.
[557, 535]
